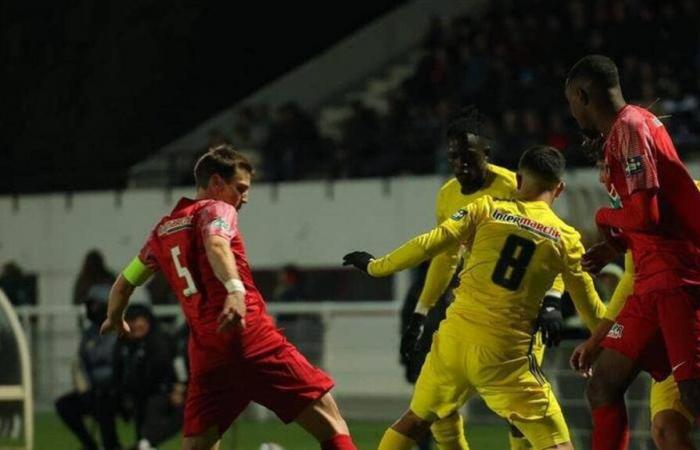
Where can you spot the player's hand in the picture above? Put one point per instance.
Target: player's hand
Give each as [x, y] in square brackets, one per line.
[550, 321]
[584, 356]
[411, 335]
[598, 256]
[233, 313]
[115, 325]
[358, 259]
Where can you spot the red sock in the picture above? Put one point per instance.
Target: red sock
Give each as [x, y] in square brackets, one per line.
[610, 428]
[339, 442]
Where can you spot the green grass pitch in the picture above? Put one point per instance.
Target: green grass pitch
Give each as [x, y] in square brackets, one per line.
[245, 435]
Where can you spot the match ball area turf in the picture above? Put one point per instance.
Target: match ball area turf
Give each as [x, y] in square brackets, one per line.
[246, 435]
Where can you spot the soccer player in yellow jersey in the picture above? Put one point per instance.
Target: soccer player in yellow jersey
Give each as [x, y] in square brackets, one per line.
[473, 178]
[671, 421]
[484, 346]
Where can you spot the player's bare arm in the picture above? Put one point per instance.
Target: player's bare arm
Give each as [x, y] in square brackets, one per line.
[118, 301]
[223, 262]
[134, 274]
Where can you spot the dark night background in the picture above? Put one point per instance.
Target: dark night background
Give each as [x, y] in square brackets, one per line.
[89, 88]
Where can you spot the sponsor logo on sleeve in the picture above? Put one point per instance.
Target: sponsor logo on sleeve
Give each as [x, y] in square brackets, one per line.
[634, 165]
[459, 215]
[616, 331]
[221, 224]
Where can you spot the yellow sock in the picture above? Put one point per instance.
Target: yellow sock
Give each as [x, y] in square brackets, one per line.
[519, 442]
[449, 433]
[393, 440]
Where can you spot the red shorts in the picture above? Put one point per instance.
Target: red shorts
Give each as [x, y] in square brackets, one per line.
[262, 367]
[661, 331]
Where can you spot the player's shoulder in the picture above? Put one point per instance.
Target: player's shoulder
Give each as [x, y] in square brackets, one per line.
[449, 187]
[502, 174]
[636, 117]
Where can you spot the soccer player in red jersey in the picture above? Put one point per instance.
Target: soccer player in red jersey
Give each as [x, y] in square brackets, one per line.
[236, 353]
[658, 330]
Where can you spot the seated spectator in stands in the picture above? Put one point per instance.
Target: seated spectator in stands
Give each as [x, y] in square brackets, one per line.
[144, 373]
[19, 287]
[94, 393]
[94, 272]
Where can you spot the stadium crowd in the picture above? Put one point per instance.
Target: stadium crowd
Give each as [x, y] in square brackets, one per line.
[501, 62]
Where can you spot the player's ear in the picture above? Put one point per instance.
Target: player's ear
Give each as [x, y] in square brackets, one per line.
[560, 188]
[583, 95]
[216, 182]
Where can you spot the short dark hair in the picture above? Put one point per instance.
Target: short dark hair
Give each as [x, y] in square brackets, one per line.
[544, 162]
[598, 69]
[222, 160]
[469, 121]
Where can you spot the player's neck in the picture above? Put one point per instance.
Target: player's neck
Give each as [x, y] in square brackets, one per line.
[527, 195]
[608, 111]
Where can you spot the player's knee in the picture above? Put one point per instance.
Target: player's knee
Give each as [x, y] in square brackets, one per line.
[322, 419]
[690, 395]
[601, 391]
[669, 429]
[412, 426]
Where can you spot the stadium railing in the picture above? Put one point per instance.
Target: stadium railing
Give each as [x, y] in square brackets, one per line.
[16, 380]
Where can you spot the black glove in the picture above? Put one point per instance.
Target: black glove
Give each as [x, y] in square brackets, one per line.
[413, 332]
[358, 259]
[550, 321]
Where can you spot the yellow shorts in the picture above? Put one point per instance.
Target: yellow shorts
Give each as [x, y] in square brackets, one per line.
[665, 396]
[512, 385]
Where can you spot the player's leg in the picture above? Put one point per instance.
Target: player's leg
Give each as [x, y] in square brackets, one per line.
[405, 433]
[207, 440]
[322, 419]
[612, 375]
[514, 387]
[449, 433]
[280, 378]
[517, 440]
[679, 316]
[671, 421]
[440, 390]
[633, 343]
[671, 431]
[548, 432]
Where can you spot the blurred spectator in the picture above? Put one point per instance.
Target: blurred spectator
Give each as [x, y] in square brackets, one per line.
[303, 330]
[19, 287]
[144, 373]
[94, 393]
[93, 273]
[290, 285]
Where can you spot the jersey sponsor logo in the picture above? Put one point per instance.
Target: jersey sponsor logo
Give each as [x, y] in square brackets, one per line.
[527, 224]
[616, 331]
[175, 225]
[634, 165]
[459, 215]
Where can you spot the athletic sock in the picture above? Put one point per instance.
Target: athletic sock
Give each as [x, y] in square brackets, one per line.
[339, 442]
[610, 427]
[449, 433]
[393, 440]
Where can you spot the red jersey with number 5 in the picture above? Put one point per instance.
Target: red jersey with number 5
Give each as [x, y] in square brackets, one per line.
[639, 155]
[176, 246]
